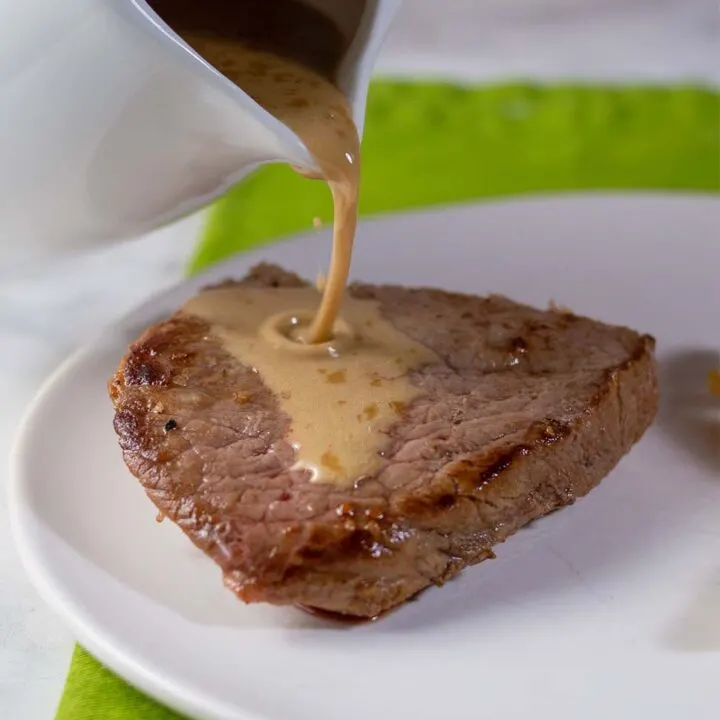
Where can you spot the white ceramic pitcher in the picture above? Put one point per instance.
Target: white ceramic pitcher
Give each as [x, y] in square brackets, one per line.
[110, 125]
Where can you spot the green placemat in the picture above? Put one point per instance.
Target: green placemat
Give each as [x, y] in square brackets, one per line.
[432, 144]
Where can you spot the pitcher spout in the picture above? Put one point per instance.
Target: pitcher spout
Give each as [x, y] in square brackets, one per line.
[139, 129]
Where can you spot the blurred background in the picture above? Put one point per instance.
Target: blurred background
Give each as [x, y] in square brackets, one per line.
[481, 99]
[619, 40]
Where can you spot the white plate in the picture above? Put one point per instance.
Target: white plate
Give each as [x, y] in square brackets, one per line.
[609, 608]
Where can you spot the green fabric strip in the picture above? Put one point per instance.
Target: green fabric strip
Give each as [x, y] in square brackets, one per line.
[429, 144]
[434, 144]
[92, 692]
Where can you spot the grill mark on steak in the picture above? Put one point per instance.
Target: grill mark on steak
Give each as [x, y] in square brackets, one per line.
[528, 412]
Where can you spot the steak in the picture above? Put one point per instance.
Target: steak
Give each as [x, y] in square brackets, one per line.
[526, 411]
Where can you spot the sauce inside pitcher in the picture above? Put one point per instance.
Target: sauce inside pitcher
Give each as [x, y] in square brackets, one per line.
[295, 30]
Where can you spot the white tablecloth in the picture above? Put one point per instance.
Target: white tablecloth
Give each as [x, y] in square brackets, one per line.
[47, 314]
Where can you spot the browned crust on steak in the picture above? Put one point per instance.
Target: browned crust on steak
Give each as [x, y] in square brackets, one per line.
[567, 397]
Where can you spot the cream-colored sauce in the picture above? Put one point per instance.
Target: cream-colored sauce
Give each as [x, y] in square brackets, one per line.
[342, 381]
[340, 395]
[318, 113]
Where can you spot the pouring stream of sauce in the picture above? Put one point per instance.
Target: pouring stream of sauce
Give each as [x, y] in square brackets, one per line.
[318, 113]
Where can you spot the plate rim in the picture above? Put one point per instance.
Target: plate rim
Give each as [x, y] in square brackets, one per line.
[146, 679]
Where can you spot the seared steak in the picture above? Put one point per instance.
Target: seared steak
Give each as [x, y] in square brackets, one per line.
[528, 411]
